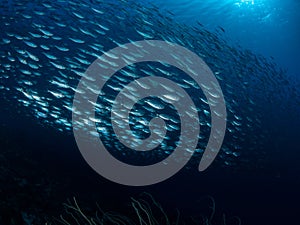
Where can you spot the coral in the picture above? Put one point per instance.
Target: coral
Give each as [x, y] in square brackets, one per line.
[146, 210]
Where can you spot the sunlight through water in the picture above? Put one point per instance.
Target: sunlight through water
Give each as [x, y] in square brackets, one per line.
[244, 2]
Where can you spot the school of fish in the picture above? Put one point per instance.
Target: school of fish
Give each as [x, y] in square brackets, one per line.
[46, 46]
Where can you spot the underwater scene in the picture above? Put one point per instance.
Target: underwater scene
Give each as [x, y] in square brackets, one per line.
[149, 112]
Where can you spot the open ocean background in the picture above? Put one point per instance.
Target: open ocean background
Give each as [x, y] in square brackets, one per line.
[251, 45]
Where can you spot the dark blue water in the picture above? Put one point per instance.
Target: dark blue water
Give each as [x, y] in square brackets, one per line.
[252, 46]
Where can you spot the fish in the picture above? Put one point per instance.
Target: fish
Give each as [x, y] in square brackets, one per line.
[45, 51]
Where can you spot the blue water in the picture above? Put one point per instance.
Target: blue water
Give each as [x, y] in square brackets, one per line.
[269, 27]
[252, 46]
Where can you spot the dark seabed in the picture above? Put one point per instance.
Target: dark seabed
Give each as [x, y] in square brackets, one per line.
[251, 46]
